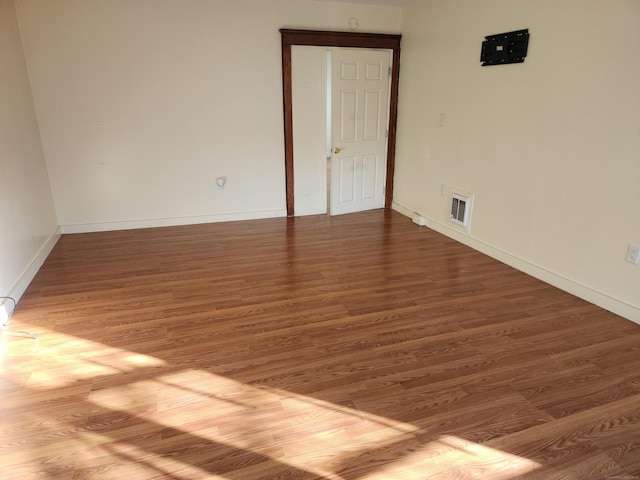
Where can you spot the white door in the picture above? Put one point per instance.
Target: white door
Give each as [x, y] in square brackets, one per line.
[359, 122]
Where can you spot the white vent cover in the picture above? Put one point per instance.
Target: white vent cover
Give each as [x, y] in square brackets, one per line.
[460, 209]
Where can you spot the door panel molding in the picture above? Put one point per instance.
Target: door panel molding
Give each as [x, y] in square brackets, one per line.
[320, 38]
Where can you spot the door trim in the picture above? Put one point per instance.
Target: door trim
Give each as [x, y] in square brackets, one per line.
[338, 39]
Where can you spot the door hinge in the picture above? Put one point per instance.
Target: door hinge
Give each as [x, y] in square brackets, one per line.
[386, 133]
[389, 71]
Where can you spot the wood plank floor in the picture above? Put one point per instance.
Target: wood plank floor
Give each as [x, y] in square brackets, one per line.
[352, 347]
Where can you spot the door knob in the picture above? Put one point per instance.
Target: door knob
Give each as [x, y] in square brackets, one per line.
[336, 150]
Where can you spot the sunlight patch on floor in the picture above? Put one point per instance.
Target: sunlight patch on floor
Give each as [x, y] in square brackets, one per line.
[452, 457]
[110, 460]
[63, 359]
[212, 413]
[314, 435]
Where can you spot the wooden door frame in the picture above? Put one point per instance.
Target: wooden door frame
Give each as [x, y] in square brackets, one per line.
[338, 39]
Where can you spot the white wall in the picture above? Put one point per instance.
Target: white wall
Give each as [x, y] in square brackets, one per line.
[28, 225]
[142, 104]
[550, 148]
[309, 98]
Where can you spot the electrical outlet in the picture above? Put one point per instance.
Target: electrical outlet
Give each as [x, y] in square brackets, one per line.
[4, 315]
[6, 310]
[633, 254]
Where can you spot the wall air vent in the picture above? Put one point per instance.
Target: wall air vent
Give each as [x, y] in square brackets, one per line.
[460, 210]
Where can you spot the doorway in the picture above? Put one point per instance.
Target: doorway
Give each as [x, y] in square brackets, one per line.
[338, 39]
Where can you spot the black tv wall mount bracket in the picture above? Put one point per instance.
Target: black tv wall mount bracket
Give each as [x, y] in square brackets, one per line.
[505, 48]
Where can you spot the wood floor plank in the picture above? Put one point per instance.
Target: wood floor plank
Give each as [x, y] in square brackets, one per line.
[355, 347]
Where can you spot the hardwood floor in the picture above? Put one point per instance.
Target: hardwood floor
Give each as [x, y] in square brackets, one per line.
[352, 347]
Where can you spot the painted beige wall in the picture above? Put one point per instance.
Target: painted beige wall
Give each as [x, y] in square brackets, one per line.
[29, 227]
[142, 104]
[549, 148]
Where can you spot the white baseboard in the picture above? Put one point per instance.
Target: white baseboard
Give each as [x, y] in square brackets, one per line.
[563, 283]
[29, 273]
[170, 222]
